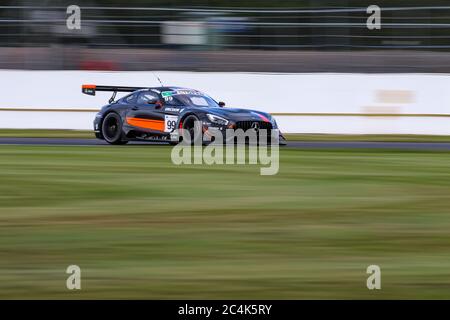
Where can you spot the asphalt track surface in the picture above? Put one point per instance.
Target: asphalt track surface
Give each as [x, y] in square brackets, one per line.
[424, 146]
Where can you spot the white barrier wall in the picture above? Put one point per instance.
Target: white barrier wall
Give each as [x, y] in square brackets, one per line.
[302, 103]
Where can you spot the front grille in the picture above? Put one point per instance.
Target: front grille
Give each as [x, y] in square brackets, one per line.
[245, 125]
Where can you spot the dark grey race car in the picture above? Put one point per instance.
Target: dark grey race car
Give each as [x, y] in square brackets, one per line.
[153, 114]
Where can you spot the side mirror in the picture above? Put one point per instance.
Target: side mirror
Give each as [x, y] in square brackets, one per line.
[221, 104]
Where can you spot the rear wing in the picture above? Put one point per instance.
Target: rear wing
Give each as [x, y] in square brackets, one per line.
[91, 89]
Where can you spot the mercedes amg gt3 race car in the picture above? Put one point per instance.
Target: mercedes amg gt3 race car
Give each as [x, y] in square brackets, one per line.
[153, 114]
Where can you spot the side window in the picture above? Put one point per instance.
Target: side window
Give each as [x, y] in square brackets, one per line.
[147, 98]
[131, 98]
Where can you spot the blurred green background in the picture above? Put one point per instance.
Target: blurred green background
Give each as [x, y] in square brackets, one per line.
[141, 227]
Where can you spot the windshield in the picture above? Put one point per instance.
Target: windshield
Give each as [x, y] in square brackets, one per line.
[189, 98]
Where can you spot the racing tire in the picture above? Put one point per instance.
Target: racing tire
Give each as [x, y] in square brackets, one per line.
[112, 129]
[192, 124]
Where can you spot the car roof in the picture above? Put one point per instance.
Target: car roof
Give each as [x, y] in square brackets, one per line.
[161, 89]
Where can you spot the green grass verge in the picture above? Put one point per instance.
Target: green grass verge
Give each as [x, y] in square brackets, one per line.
[45, 133]
[81, 134]
[141, 227]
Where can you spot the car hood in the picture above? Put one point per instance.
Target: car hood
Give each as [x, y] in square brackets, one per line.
[237, 114]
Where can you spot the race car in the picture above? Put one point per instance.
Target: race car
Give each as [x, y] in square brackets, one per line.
[153, 114]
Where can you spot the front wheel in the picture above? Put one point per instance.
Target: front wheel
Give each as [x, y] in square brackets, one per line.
[193, 126]
[112, 129]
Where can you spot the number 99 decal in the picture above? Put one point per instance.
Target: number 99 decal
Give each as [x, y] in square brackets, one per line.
[170, 123]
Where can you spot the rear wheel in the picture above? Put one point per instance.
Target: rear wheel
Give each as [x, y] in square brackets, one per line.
[112, 129]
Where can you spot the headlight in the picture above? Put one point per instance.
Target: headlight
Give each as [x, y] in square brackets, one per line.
[216, 119]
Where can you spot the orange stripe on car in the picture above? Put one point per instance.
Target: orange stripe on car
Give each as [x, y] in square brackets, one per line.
[146, 123]
[89, 86]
